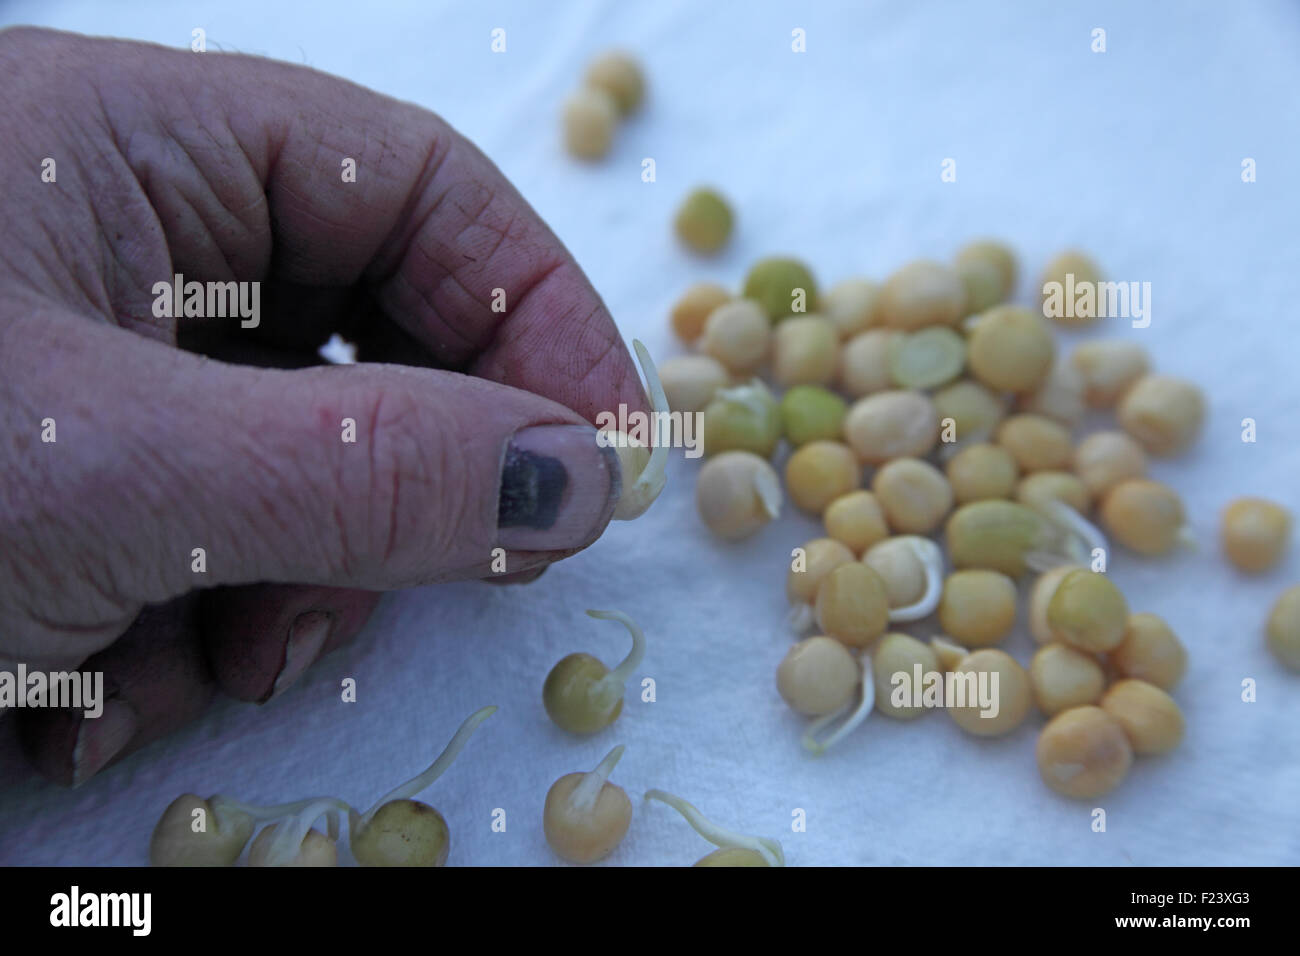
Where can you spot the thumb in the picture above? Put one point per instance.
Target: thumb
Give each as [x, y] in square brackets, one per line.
[186, 472]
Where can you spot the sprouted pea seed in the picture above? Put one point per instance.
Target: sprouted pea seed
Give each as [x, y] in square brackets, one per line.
[737, 494]
[742, 418]
[585, 817]
[581, 694]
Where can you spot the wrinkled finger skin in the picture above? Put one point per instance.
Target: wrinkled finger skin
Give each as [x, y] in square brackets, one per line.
[213, 167]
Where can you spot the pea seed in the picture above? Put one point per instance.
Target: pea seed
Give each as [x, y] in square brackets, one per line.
[619, 75]
[691, 381]
[820, 472]
[997, 535]
[403, 833]
[982, 471]
[900, 568]
[1010, 694]
[812, 413]
[1163, 413]
[1145, 516]
[1010, 349]
[928, 358]
[974, 409]
[853, 305]
[1088, 612]
[1040, 598]
[1083, 753]
[805, 351]
[1084, 271]
[1063, 677]
[821, 557]
[742, 418]
[856, 520]
[914, 494]
[920, 294]
[853, 605]
[175, 843]
[567, 699]
[1104, 459]
[988, 272]
[817, 676]
[1149, 716]
[1061, 486]
[1059, 397]
[1036, 443]
[737, 493]
[581, 695]
[864, 363]
[704, 221]
[774, 284]
[1284, 628]
[891, 425]
[738, 335]
[1150, 652]
[1254, 533]
[899, 654]
[585, 817]
[978, 607]
[590, 117]
[1108, 368]
[692, 310]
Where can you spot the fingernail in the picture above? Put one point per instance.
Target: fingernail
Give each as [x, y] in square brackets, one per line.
[307, 636]
[100, 739]
[558, 488]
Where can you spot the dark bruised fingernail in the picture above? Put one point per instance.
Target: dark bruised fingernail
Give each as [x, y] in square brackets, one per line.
[558, 488]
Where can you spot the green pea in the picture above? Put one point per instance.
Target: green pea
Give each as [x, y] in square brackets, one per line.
[995, 534]
[745, 418]
[773, 284]
[812, 413]
[704, 221]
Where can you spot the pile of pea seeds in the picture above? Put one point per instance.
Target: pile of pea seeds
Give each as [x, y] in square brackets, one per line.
[935, 429]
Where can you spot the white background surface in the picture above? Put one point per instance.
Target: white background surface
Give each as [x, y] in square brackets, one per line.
[832, 155]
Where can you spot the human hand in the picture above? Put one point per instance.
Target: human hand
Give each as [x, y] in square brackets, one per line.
[223, 167]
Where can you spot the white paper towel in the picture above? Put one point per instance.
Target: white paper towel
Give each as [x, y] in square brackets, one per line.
[833, 155]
